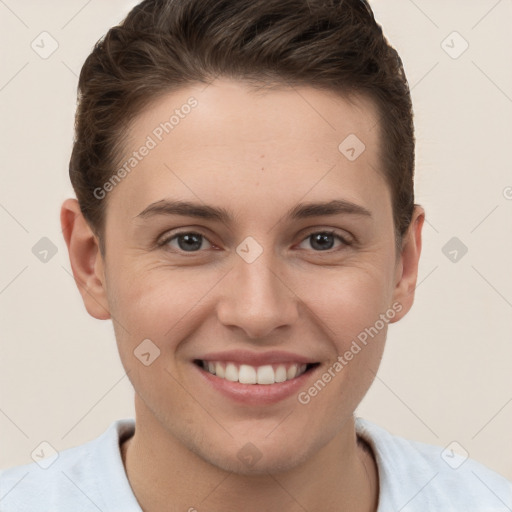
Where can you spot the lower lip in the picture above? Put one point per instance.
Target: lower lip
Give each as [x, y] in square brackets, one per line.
[256, 394]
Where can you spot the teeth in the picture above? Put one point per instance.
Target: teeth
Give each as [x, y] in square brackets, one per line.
[292, 372]
[219, 370]
[281, 373]
[266, 374]
[231, 372]
[246, 374]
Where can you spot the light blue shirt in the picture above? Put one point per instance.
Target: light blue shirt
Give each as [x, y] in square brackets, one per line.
[413, 477]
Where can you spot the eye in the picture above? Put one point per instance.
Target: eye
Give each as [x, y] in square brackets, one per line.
[189, 241]
[186, 241]
[324, 240]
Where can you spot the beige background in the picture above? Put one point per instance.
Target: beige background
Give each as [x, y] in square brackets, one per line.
[446, 372]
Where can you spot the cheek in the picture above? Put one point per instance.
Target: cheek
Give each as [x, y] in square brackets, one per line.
[163, 303]
[348, 300]
[164, 307]
[353, 309]
[158, 303]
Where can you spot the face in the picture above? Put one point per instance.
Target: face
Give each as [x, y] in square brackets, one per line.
[246, 246]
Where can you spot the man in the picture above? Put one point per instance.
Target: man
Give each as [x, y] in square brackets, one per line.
[245, 214]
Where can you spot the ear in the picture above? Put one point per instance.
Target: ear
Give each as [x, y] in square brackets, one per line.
[407, 265]
[86, 259]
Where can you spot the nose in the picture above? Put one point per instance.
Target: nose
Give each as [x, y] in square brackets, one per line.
[257, 299]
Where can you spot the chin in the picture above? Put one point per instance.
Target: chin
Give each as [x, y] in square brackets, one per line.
[249, 459]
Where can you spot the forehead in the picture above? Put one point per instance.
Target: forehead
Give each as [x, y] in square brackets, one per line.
[230, 141]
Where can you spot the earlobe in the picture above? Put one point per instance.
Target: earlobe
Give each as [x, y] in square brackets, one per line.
[407, 266]
[85, 258]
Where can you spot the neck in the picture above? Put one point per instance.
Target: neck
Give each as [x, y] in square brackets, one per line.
[165, 475]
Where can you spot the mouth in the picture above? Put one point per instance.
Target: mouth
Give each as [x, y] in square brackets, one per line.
[254, 378]
[267, 374]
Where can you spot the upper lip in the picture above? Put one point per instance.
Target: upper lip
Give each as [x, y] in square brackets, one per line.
[256, 358]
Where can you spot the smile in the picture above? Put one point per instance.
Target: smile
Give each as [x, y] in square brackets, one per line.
[248, 374]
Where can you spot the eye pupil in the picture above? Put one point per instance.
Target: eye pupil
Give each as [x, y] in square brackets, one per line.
[191, 242]
[318, 241]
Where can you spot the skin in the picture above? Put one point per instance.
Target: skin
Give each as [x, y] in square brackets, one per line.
[256, 154]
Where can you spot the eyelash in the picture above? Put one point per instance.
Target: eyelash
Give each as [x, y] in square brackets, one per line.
[168, 239]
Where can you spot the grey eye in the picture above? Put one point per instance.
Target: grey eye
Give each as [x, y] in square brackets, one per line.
[323, 240]
[188, 242]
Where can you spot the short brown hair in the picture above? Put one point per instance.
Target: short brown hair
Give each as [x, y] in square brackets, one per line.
[163, 45]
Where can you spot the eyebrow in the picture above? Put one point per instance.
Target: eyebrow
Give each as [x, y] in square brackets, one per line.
[301, 211]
